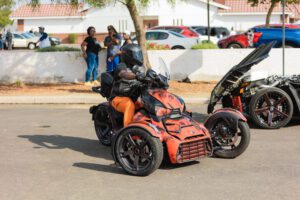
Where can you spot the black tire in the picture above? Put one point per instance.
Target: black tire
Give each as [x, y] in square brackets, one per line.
[235, 46]
[271, 108]
[138, 152]
[31, 46]
[103, 126]
[243, 139]
[177, 47]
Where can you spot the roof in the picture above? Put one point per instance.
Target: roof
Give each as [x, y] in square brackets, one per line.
[48, 10]
[242, 6]
[215, 3]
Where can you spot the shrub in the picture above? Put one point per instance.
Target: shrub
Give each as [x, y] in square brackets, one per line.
[205, 45]
[19, 83]
[72, 38]
[154, 46]
[57, 48]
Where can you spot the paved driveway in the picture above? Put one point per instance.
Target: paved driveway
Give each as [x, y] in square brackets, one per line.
[51, 152]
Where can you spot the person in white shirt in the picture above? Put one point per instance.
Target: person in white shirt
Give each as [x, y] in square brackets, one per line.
[44, 39]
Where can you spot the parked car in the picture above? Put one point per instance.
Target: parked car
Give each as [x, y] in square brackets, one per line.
[219, 32]
[238, 41]
[183, 30]
[23, 41]
[263, 35]
[292, 36]
[170, 38]
[216, 33]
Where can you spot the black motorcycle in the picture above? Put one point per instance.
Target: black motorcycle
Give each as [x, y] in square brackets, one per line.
[270, 102]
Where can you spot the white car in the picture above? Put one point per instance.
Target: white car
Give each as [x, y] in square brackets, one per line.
[24, 41]
[173, 39]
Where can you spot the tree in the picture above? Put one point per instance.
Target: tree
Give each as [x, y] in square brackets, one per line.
[5, 10]
[273, 4]
[132, 6]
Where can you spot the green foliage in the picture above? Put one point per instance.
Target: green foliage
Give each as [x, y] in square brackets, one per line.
[72, 38]
[5, 10]
[205, 45]
[57, 48]
[19, 83]
[256, 2]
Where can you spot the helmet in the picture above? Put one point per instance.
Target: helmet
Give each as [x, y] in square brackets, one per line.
[132, 55]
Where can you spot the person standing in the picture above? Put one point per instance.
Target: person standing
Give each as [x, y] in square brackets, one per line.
[90, 48]
[44, 39]
[112, 42]
[127, 40]
[1, 42]
[9, 38]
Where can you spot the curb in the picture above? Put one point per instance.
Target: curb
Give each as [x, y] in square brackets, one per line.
[70, 99]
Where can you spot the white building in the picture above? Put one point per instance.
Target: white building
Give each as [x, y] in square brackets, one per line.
[62, 20]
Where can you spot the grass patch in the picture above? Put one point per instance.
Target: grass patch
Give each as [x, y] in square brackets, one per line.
[57, 48]
[205, 45]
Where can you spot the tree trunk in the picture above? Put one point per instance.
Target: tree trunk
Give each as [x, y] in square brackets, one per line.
[138, 25]
[273, 5]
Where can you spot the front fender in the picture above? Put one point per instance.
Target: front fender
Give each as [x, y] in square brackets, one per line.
[229, 115]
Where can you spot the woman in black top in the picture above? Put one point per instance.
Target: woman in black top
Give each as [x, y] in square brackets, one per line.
[90, 48]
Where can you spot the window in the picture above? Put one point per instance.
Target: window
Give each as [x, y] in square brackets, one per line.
[201, 31]
[156, 36]
[177, 34]
[177, 30]
[17, 36]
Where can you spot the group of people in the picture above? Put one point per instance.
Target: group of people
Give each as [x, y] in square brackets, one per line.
[6, 39]
[91, 47]
[124, 62]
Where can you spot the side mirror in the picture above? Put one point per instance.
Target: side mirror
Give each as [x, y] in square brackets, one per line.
[151, 73]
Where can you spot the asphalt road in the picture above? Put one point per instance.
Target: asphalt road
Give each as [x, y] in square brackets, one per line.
[51, 152]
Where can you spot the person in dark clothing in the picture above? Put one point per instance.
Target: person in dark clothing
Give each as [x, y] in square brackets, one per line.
[90, 48]
[1, 42]
[126, 77]
[9, 38]
[112, 42]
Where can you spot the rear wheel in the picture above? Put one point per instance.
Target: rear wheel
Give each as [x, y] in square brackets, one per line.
[103, 126]
[227, 142]
[271, 108]
[138, 152]
[235, 46]
[177, 47]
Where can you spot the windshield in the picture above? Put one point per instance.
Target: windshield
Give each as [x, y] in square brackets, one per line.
[163, 69]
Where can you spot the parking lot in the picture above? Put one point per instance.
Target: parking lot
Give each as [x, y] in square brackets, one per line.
[51, 152]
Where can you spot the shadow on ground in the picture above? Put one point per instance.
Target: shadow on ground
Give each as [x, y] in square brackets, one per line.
[83, 145]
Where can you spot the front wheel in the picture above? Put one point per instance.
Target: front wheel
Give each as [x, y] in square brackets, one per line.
[271, 108]
[31, 46]
[138, 152]
[229, 143]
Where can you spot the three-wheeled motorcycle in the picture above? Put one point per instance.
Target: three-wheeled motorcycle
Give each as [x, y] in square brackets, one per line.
[163, 128]
[270, 102]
